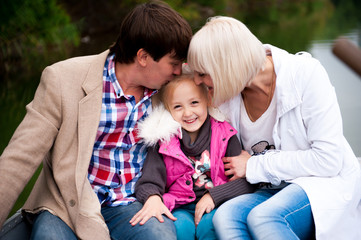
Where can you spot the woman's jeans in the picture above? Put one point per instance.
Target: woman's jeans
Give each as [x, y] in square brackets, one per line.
[186, 228]
[266, 214]
[48, 226]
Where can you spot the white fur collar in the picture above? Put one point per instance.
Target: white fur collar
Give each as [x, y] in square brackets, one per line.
[158, 126]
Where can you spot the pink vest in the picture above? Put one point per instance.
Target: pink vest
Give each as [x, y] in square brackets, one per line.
[179, 188]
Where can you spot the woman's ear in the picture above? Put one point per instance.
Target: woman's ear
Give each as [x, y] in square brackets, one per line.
[209, 99]
[142, 57]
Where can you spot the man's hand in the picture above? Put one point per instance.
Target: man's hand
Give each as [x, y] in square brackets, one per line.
[205, 204]
[153, 207]
[237, 165]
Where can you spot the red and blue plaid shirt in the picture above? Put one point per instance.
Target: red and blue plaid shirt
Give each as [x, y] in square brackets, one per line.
[118, 156]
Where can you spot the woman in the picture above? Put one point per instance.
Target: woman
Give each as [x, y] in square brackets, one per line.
[288, 119]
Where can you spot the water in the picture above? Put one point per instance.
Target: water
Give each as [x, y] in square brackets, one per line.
[347, 84]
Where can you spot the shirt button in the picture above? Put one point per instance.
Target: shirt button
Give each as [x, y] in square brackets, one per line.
[72, 203]
[188, 182]
[347, 197]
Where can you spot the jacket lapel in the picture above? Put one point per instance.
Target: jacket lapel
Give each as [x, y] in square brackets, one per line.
[285, 83]
[89, 116]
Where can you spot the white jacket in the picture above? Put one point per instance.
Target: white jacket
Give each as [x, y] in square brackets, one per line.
[311, 150]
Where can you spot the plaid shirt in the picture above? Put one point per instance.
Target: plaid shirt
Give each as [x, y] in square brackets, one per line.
[118, 156]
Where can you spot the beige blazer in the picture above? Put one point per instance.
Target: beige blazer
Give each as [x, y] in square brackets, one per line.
[59, 130]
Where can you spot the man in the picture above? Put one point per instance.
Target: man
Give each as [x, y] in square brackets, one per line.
[81, 126]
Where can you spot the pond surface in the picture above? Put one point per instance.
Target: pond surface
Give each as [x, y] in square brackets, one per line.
[347, 84]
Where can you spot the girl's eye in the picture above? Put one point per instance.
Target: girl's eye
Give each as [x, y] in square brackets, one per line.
[176, 107]
[195, 102]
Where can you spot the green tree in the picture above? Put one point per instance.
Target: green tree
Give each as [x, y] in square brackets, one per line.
[33, 33]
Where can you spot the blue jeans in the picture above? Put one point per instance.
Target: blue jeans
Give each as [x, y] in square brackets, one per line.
[266, 214]
[48, 226]
[117, 220]
[186, 228]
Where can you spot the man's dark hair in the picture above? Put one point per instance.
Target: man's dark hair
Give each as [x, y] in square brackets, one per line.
[155, 27]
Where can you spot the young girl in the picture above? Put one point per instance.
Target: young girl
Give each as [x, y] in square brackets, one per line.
[184, 171]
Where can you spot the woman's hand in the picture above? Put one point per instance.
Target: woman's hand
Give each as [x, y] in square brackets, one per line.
[205, 204]
[153, 207]
[237, 165]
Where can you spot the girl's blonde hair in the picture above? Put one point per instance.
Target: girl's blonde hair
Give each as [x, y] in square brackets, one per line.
[166, 92]
[226, 49]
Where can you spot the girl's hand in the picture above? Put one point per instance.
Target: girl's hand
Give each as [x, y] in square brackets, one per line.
[153, 207]
[205, 204]
[237, 165]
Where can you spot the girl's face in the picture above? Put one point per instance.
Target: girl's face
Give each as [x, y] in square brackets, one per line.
[188, 106]
[204, 78]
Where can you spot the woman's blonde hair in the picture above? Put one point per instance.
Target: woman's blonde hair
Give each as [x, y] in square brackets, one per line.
[226, 49]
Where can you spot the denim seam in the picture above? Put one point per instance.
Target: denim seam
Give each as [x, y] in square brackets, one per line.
[284, 218]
